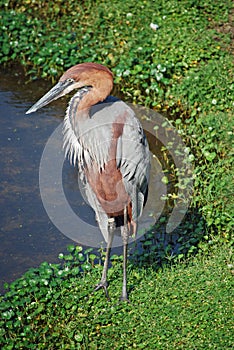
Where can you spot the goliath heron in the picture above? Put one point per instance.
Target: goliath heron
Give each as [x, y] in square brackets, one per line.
[102, 134]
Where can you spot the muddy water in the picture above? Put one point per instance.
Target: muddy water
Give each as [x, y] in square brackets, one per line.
[27, 236]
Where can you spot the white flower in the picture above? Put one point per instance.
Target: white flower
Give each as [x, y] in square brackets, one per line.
[186, 150]
[126, 72]
[154, 26]
[191, 158]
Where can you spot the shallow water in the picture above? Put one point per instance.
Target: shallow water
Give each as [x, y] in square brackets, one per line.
[27, 235]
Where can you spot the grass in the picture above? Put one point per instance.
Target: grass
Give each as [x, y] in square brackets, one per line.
[184, 306]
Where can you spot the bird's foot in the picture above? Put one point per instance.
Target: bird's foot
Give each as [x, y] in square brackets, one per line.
[124, 298]
[103, 285]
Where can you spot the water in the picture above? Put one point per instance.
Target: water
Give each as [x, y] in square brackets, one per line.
[27, 235]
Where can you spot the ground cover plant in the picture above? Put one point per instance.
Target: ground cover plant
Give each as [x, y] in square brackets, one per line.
[173, 307]
[177, 58]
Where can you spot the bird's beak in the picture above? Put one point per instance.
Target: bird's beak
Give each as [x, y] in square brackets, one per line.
[59, 90]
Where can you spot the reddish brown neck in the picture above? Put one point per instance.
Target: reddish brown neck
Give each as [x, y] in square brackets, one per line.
[97, 93]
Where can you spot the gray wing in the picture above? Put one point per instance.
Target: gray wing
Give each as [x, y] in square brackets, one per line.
[134, 162]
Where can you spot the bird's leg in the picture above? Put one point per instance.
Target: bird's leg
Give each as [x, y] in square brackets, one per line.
[103, 283]
[125, 235]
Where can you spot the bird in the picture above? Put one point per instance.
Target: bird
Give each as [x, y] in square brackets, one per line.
[104, 139]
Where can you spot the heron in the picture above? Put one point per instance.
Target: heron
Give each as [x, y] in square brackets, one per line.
[104, 138]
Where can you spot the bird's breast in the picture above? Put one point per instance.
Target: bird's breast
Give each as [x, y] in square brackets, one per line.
[107, 181]
[108, 187]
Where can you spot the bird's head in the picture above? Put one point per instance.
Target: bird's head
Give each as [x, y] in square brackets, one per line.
[96, 76]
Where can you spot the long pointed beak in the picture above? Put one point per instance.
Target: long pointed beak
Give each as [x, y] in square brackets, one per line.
[59, 90]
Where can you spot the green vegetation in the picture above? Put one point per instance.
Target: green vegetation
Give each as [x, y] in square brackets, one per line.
[184, 69]
[182, 307]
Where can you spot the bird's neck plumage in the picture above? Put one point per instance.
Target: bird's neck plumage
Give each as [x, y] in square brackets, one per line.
[79, 110]
[71, 144]
[99, 87]
[75, 104]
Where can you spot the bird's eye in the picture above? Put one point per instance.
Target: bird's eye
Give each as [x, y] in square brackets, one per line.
[70, 80]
